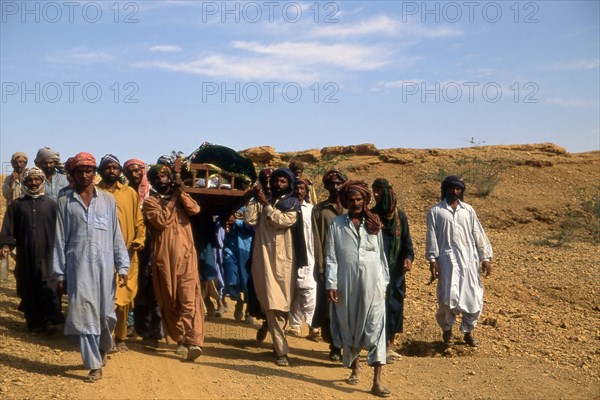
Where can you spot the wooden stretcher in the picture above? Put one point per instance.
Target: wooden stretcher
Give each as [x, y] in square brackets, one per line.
[222, 198]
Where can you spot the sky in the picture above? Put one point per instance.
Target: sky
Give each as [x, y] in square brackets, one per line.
[143, 78]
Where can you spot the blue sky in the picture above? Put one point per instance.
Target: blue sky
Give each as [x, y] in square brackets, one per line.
[139, 79]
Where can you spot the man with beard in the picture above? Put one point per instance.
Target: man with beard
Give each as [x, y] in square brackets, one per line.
[89, 247]
[254, 308]
[11, 188]
[48, 160]
[322, 215]
[273, 254]
[303, 306]
[456, 244]
[297, 167]
[30, 226]
[399, 252]
[134, 234]
[146, 315]
[357, 277]
[174, 262]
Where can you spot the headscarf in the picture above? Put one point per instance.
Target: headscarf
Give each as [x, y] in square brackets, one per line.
[45, 153]
[157, 169]
[388, 214]
[82, 159]
[33, 171]
[453, 181]
[296, 165]
[372, 221]
[144, 187]
[334, 172]
[17, 155]
[265, 174]
[386, 206]
[108, 159]
[287, 201]
[166, 160]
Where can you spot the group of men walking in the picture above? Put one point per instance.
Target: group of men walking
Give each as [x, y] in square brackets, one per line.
[338, 264]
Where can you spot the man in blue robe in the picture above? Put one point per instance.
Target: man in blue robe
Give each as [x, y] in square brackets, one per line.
[89, 247]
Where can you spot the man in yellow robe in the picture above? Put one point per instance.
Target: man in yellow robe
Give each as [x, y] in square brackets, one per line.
[134, 234]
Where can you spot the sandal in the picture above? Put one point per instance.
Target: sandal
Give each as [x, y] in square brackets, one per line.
[380, 391]
[352, 380]
[391, 357]
[94, 376]
[193, 353]
[282, 361]
[121, 346]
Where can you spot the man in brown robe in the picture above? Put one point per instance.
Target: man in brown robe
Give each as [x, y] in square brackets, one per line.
[322, 216]
[174, 262]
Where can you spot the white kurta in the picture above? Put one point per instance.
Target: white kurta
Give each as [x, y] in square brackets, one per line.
[306, 279]
[355, 265]
[457, 240]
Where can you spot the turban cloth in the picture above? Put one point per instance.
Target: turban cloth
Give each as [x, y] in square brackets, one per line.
[286, 201]
[82, 159]
[381, 183]
[17, 155]
[265, 174]
[157, 169]
[386, 205]
[372, 221]
[33, 171]
[107, 159]
[47, 153]
[296, 165]
[453, 181]
[144, 187]
[334, 172]
[166, 160]
[306, 182]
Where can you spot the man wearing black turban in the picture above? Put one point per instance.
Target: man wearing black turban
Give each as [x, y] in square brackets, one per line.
[399, 252]
[456, 244]
[276, 253]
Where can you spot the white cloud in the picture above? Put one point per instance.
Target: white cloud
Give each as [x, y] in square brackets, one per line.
[572, 102]
[354, 57]
[577, 65]
[80, 55]
[384, 25]
[166, 48]
[227, 67]
[303, 62]
[397, 84]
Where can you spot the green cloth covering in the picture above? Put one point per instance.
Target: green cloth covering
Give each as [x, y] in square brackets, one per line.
[225, 158]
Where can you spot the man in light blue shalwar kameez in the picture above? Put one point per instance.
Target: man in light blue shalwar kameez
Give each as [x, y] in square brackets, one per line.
[357, 276]
[89, 247]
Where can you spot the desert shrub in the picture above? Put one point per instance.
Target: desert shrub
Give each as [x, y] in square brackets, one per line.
[480, 175]
[580, 222]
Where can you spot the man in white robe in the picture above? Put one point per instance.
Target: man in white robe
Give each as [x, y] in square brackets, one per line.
[357, 275]
[456, 244]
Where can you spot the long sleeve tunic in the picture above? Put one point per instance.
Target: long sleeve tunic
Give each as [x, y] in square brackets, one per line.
[357, 268]
[88, 248]
[456, 239]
